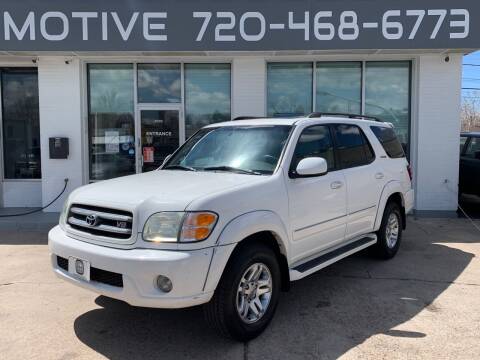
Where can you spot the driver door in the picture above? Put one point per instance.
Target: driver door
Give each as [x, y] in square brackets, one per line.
[318, 205]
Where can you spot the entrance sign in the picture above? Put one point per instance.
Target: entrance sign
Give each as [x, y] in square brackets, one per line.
[209, 25]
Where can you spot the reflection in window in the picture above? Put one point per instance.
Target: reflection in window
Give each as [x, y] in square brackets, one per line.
[339, 87]
[111, 120]
[315, 141]
[352, 145]
[21, 125]
[207, 95]
[289, 89]
[159, 83]
[387, 95]
[473, 149]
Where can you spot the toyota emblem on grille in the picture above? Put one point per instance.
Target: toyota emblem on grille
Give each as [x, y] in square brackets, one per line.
[91, 220]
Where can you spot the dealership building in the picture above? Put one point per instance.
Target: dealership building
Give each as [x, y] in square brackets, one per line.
[95, 90]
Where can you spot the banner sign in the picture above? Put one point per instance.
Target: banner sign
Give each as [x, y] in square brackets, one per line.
[240, 25]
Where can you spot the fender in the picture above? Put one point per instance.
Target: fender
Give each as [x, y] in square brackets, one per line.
[390, 188]
[238, 229]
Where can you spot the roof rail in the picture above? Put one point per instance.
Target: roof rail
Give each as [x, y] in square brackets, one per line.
[350, 116]
[247, 118]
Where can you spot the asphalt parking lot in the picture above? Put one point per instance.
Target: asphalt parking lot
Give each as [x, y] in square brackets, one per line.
[425, 303]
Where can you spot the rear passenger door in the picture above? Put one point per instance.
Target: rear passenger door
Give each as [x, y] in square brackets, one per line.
[364, 178]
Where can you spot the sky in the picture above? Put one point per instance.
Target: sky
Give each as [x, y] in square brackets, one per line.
[471, 76]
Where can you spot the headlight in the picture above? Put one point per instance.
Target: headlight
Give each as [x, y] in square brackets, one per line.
[179, 226]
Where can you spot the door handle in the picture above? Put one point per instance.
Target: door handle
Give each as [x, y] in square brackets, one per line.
[379, 176]
[336, 185]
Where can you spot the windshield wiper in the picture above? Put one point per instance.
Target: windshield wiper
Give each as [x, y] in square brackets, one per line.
[232, 169]
[179, 167]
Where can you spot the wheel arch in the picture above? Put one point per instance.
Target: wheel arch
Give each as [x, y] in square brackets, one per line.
[391, 193]
[263, 227]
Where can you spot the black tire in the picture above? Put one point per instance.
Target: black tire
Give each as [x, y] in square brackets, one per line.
[221, 312]
[383, 249]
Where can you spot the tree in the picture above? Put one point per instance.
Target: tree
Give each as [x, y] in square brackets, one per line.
[470, 114]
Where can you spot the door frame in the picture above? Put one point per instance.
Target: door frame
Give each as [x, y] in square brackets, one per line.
[138, 123]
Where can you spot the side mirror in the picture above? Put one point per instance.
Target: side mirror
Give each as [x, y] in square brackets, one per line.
[311, 167]
[166, 159]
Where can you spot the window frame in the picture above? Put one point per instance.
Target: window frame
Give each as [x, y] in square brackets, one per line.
[184, 66]
[313, 81]
[363, 68]
[137, 69]
[467, 147]
[3, 178]
[86, 178]
[465, 144]
[365, 138]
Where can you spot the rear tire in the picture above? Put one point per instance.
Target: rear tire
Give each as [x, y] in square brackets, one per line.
[389, 235]
[225, 312]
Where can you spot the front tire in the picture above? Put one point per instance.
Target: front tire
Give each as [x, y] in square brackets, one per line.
[389, 235]
[246, 297]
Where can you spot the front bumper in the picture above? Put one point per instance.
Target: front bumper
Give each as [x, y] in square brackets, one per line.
[188, 271]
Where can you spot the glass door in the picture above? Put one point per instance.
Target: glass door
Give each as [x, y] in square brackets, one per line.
[159, 135]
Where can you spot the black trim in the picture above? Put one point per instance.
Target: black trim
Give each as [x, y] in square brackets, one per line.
[331, 255]
[348, 115]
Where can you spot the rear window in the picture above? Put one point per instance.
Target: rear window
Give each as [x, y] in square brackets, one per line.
[389, 141]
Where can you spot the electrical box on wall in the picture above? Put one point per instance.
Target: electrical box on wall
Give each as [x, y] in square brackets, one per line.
[59, 148]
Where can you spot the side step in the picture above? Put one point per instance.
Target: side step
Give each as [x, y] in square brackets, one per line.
[331, 256]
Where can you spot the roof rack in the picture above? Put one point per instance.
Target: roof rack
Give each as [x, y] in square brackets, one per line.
[350, 116]
[247, 118]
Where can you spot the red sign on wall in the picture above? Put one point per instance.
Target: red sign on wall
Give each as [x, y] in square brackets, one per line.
[148, 153]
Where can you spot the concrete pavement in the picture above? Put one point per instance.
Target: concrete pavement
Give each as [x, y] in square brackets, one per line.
[425, 303]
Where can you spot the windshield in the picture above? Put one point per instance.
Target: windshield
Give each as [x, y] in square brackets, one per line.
[244, 149]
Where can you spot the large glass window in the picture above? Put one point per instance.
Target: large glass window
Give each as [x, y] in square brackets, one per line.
[207, 95]
[339, 87]
[21, 125]
[159, 83]
[289, 89]
[111, 120]
[387, 95]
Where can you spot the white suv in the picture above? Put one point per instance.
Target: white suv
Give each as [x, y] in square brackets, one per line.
[234, 215]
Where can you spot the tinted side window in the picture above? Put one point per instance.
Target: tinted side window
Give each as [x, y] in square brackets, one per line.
[315, 141]
[352, 146]
[389, 141]
[473, 149]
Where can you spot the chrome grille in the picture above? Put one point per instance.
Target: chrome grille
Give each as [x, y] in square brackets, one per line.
[100, 221]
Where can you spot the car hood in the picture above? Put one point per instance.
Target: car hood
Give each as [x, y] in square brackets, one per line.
[172, 190]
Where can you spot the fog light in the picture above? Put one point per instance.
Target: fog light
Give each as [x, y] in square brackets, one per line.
[164, 283]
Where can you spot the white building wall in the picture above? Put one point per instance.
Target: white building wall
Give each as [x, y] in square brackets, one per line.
[60, 116]
[435, 126]
[436, 131]
[20, 193]
[248, 87]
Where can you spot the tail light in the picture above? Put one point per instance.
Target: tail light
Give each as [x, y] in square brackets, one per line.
[410, 172]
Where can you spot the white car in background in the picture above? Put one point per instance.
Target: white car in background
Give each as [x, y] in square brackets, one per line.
[234, 215]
